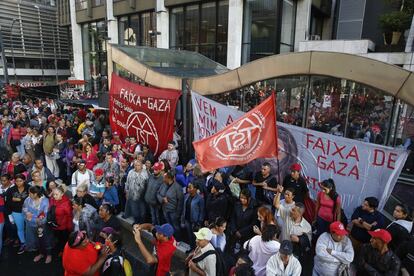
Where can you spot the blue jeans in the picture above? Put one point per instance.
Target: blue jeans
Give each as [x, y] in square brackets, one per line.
[19, 221]
[34, 242]
[173, 219]
[135, 209]
[1, 236]
[155, 214]
[322, 226]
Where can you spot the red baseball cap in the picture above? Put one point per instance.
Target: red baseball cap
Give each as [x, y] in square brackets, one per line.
[99, 172]
[381, 234]
[158, 166]
[338, 228]
[295, 167]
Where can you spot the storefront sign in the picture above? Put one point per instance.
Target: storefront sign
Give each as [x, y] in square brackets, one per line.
[359, 169]
[143, 112]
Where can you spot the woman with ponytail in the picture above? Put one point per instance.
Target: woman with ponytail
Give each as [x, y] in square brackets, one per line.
[328, 207]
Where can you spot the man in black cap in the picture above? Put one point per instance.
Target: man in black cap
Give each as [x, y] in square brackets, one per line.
[283, 262]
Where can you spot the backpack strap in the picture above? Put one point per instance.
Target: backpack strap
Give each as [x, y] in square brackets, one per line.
[203, 256]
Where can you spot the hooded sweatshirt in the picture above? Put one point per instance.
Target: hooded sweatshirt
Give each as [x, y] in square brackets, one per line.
[260, 253]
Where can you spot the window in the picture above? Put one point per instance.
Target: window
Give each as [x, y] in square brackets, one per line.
[135, 29]
[81, 4]
[288, 27]
[268, 28]
[201, 28]
[94, 56]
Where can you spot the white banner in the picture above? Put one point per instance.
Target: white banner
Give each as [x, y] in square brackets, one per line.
[359, 169]
[210, 116]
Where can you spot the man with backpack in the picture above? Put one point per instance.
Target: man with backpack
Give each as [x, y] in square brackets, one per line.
[205, 260]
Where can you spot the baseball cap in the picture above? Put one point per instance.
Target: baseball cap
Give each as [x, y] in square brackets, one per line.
[286, 248]
[296, 167]
[338, 228]
[381, 234]
[158, 166]
[89, 123]
[204, 234]
[115, 133]
[108, 230]
[165, 229]
[99, 172]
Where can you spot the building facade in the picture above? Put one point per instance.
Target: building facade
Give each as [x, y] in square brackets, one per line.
[36, 47]
[230, 32]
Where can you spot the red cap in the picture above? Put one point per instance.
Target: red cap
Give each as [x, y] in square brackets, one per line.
[99, 172]
[338, 228]
[381, 234]
[295, 167]
[115, 133]
[158, 166]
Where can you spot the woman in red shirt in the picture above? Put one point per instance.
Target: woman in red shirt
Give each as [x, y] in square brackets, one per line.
[15, 135]
[63, 215]
[328, 207]
[90, 157]
[80, 257]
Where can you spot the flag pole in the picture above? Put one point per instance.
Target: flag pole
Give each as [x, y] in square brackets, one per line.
[277, 147]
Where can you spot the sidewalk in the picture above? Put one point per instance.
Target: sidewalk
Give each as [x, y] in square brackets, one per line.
[12, 264]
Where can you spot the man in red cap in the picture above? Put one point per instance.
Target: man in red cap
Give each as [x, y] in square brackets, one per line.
[376, 258]
[332, 250]
[295, 181]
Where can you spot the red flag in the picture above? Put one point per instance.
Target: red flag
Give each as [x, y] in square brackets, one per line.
[252, 136]
[146, 113]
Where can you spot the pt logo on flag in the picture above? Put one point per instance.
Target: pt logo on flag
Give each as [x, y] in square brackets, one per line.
[243, 140]
[141, 126]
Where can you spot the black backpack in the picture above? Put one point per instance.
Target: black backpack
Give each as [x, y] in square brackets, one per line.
[113, 267]
[221, 269]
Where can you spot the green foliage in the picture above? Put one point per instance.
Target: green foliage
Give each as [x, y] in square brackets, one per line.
[396, 21]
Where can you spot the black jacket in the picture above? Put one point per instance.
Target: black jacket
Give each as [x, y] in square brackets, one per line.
[371, 262]
[216, 206]
[243, 221]
[406, 254]
[399, 235]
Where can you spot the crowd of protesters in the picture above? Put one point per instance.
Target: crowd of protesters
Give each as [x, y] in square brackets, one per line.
[66, 176]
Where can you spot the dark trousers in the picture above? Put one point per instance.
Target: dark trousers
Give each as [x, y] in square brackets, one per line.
[62, 238]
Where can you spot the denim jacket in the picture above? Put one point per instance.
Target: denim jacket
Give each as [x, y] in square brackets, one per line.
[197, 209]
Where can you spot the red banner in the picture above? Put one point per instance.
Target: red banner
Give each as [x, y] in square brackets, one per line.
[143, 112]
[252, 136]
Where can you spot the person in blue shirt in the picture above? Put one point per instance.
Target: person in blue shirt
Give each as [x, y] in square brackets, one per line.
[365, 218]
[111, 194]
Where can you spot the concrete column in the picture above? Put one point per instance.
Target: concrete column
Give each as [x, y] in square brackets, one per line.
[78, 71]
[234, 33]
[112, 22]
[162, 25]
[303, 20]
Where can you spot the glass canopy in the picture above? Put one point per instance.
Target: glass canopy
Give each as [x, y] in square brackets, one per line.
[178, 63]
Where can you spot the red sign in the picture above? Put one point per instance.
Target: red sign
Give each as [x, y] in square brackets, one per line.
[143, 112]
[252, 136]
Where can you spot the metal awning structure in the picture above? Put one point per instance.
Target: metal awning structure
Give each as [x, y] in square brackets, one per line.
[167, 68]
[163, 67]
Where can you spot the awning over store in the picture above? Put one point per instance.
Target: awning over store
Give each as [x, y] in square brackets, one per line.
[163, 66]
[166, 68]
